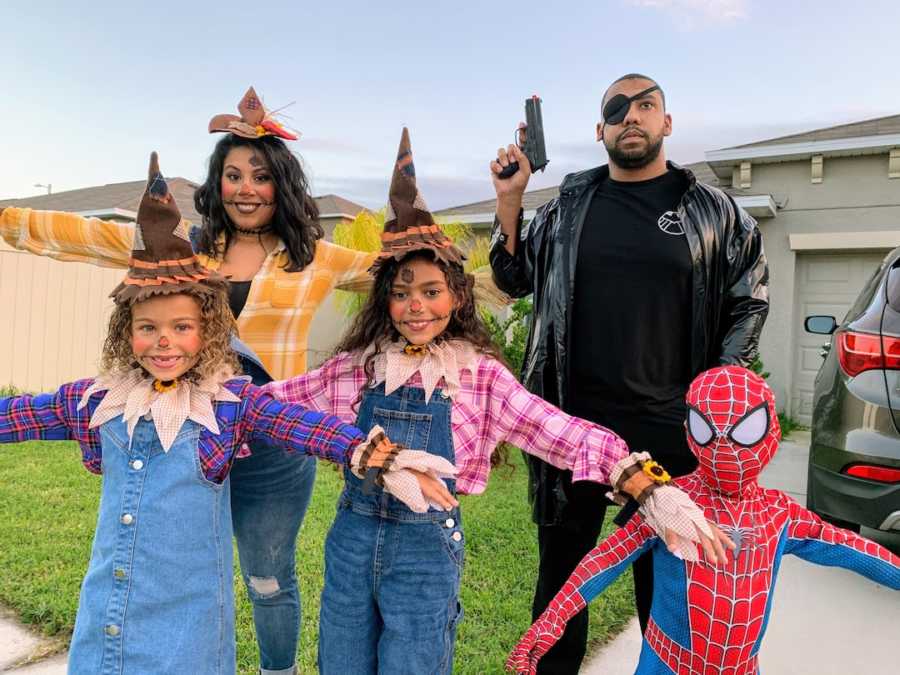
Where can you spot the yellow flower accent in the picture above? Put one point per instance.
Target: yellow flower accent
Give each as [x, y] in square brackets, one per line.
[163, 386]
[655, 472]
[261, 130]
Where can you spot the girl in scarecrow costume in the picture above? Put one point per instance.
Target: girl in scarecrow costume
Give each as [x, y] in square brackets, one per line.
[707, 619]
[162, 424]
[419, 362]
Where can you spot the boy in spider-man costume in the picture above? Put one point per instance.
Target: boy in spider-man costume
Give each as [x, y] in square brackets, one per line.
[704, 618]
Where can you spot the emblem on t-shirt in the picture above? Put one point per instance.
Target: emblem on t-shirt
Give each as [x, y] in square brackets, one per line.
[670, 223]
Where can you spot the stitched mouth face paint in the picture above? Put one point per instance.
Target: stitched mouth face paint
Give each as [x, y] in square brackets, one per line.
[616, 108]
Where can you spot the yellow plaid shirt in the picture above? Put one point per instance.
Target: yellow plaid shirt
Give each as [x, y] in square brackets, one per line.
[276, 318]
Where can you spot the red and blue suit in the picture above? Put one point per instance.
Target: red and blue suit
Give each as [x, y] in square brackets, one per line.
[712, 618]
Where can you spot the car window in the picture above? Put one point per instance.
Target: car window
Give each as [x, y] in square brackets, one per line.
[865, 297]
[893, 287]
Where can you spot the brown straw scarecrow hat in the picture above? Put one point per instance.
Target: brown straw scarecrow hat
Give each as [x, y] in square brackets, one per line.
[162, 259]
[408, 224]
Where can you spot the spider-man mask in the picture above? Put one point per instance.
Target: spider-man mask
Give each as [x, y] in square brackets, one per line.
[732, 426]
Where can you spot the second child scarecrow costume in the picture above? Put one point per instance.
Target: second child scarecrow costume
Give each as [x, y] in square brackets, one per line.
[158, 593]
[393, 573]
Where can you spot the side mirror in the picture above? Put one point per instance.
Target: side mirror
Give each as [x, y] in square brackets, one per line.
[822, 325]
[893, 287]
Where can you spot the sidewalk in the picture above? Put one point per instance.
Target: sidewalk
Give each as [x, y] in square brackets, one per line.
[824, 620]
[24, 653]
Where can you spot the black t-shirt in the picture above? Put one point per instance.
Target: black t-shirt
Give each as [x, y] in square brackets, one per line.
[631, 320]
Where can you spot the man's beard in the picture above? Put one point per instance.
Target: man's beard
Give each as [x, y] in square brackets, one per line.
[634, 159]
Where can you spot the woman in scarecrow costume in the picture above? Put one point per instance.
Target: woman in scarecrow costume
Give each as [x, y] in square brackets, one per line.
[260, 230]
[163, 423]
[419, 361]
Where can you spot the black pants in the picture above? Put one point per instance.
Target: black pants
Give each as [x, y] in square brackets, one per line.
[561, 547]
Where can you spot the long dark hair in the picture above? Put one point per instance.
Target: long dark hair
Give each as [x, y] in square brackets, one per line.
[296, 218]
[373, 323]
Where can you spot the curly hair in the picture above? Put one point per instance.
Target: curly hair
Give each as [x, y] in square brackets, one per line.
[217, 326]
[296, 217]
[373, 324]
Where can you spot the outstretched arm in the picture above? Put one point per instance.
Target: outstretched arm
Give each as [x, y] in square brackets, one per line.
[822, 543]
[67, 236]
[590, 452]
[521, 418]
[597, 570]
[350, 267]
[53, 417]
[296, 428]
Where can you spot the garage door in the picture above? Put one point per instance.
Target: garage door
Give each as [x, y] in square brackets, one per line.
[826, 284]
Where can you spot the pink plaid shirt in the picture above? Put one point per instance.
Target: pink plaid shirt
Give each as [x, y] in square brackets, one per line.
[491, 406]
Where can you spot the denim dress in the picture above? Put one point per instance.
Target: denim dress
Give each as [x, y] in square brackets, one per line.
[391, 598]
[158, 594]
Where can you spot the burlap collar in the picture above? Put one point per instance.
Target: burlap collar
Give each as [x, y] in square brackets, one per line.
[131, 395]
[445, 359]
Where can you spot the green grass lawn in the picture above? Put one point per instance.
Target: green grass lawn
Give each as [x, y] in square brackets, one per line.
[48, 508]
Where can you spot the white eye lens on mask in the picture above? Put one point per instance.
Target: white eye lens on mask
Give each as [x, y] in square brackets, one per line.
[701, 430]
[752, 428]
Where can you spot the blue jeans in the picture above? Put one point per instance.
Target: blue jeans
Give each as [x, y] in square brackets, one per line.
[391, 597]
[270, 491]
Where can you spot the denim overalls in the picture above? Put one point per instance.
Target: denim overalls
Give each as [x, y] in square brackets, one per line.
[158, 594]
[391, 597]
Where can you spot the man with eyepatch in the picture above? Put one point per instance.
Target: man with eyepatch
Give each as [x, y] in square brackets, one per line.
[641, 278]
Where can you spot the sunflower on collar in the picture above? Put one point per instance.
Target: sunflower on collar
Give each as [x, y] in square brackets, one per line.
[415, 350]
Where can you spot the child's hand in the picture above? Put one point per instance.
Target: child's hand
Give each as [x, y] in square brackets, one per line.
[376, 452]
[681, 524]
[418, 489]
[542, 635]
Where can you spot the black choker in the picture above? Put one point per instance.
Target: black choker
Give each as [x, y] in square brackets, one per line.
[257, 232]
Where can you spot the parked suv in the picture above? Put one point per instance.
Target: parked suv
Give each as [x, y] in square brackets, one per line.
[854, 455]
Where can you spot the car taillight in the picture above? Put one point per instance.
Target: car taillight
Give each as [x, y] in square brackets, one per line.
[882, 474]
[862, 351]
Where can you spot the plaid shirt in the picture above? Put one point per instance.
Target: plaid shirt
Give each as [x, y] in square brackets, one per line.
[275, 320]
[491, 406]
[258, 417]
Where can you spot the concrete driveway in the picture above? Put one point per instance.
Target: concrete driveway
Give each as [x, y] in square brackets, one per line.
[824, 621]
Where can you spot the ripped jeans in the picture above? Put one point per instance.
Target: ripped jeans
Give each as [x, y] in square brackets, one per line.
[270, 491]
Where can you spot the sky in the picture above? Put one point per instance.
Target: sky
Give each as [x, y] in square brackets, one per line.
[89, 89]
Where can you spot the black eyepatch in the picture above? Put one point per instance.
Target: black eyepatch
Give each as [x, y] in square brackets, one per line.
[618, 106]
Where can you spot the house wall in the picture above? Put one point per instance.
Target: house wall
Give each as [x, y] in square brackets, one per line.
[856, 195]
[54, 319]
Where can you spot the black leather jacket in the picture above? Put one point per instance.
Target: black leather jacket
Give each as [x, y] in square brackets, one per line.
[730, 282]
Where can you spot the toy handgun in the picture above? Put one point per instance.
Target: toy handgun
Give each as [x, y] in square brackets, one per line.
[534, 148]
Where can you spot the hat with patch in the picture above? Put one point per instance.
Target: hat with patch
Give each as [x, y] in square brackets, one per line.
[408, 224]
[162, 259]
[255, 120]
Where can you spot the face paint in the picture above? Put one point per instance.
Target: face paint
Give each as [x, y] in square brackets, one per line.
[255, 160]
[407, 275]
[616, 108]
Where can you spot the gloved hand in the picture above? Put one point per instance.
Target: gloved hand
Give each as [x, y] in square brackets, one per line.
[376, 452]
[669, 509]
[396, 466]
[544, 632]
